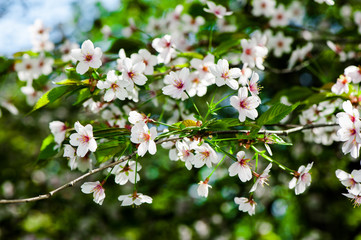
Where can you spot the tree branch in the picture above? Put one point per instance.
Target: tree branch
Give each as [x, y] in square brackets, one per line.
[125, 158]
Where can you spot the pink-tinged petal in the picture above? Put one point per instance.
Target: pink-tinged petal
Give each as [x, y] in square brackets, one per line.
[146, 199]
[240, 155]
[184, 74]
[220, 81]
[245, 174]
[300, 188]
[152, 148]
[121, 179]
[234, 101]
[103, 84]
[234, 73]
[127, 63]
[74, 139]
[356, 175]
[82, 68]
[87, 47]
[242, 116]
[77, 54]
[109, 95]
[242, 92]
[292, 183]
[92, 145]
[88, 187]
[342, 175]
[254, 187]
[153, 133]
[234, 169]
[223, 65]
[127, 201]
[96, 63]
[121, 93]
[142, 149]
[88, 130]
[97, 53]
[82, 150]
[232, 84]
[140, 79]
[139, 67]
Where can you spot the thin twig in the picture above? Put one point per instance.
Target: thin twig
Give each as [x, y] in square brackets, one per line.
[125, 158]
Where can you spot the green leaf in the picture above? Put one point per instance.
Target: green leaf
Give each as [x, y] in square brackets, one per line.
[107, 150]
[293, 94]
[52, 95]
[129, 45]
[272, 116]
[47, 148]
[110, 132]
[73, 82]
[275, 114]
[84, 94]
[191, 55]
[225, 46]
[225, 123]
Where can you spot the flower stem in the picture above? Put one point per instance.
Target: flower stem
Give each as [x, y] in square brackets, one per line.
[217, 166]
[271, 160]
[194, 105]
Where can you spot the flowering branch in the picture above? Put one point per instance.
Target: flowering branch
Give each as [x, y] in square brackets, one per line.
[69, 184]
[125, 158]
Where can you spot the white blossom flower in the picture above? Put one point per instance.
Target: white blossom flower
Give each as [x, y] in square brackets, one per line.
[354, 73]
[241, 167]
[27, 68]
[328, 2]
[338, 50]
[218, 10]
[224, 75]
[280, 44]
[177, 83]
[355, 198]
[351, 181]
[301, 179]
[128, 31]
[120, 60]
[58, 129]
[262, 178]
[350, 134]
[96, 188]
[114, 86]
[299, 54]
[263, 7]
[142, 135]
[125, 172]
[349, 112]
[76, 162]
[204, 155]
[246, 205]
[133, 73]
[296, 11]
[65, 49]
[198, 85]
[253, 54]
[203, 67]
[246, 106]
[135, 117]
[184, 153]
[246, 73]
[88, 56]
[192, 24]
[166, 48]
[147, 58]
[357, 20]
[280, 17]
[202, 189]
[83, 139]
[135, 198]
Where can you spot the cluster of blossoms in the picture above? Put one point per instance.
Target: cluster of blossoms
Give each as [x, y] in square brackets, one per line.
[352, 182]
[131, 74]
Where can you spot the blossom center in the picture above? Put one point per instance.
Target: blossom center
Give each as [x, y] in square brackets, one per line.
[146, 137]
[131, 74]
[196, 80]
[263, 5]
[280, 44]
[28, 66]
[88, 58]
[248, 51]
[178, 84]
[225, 75]
[206, 153]
[85, 139]
[279, 16]
[114, 86]
[243, 104]
[205, 69]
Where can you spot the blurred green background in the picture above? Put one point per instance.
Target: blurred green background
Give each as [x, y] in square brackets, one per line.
[176, 212]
